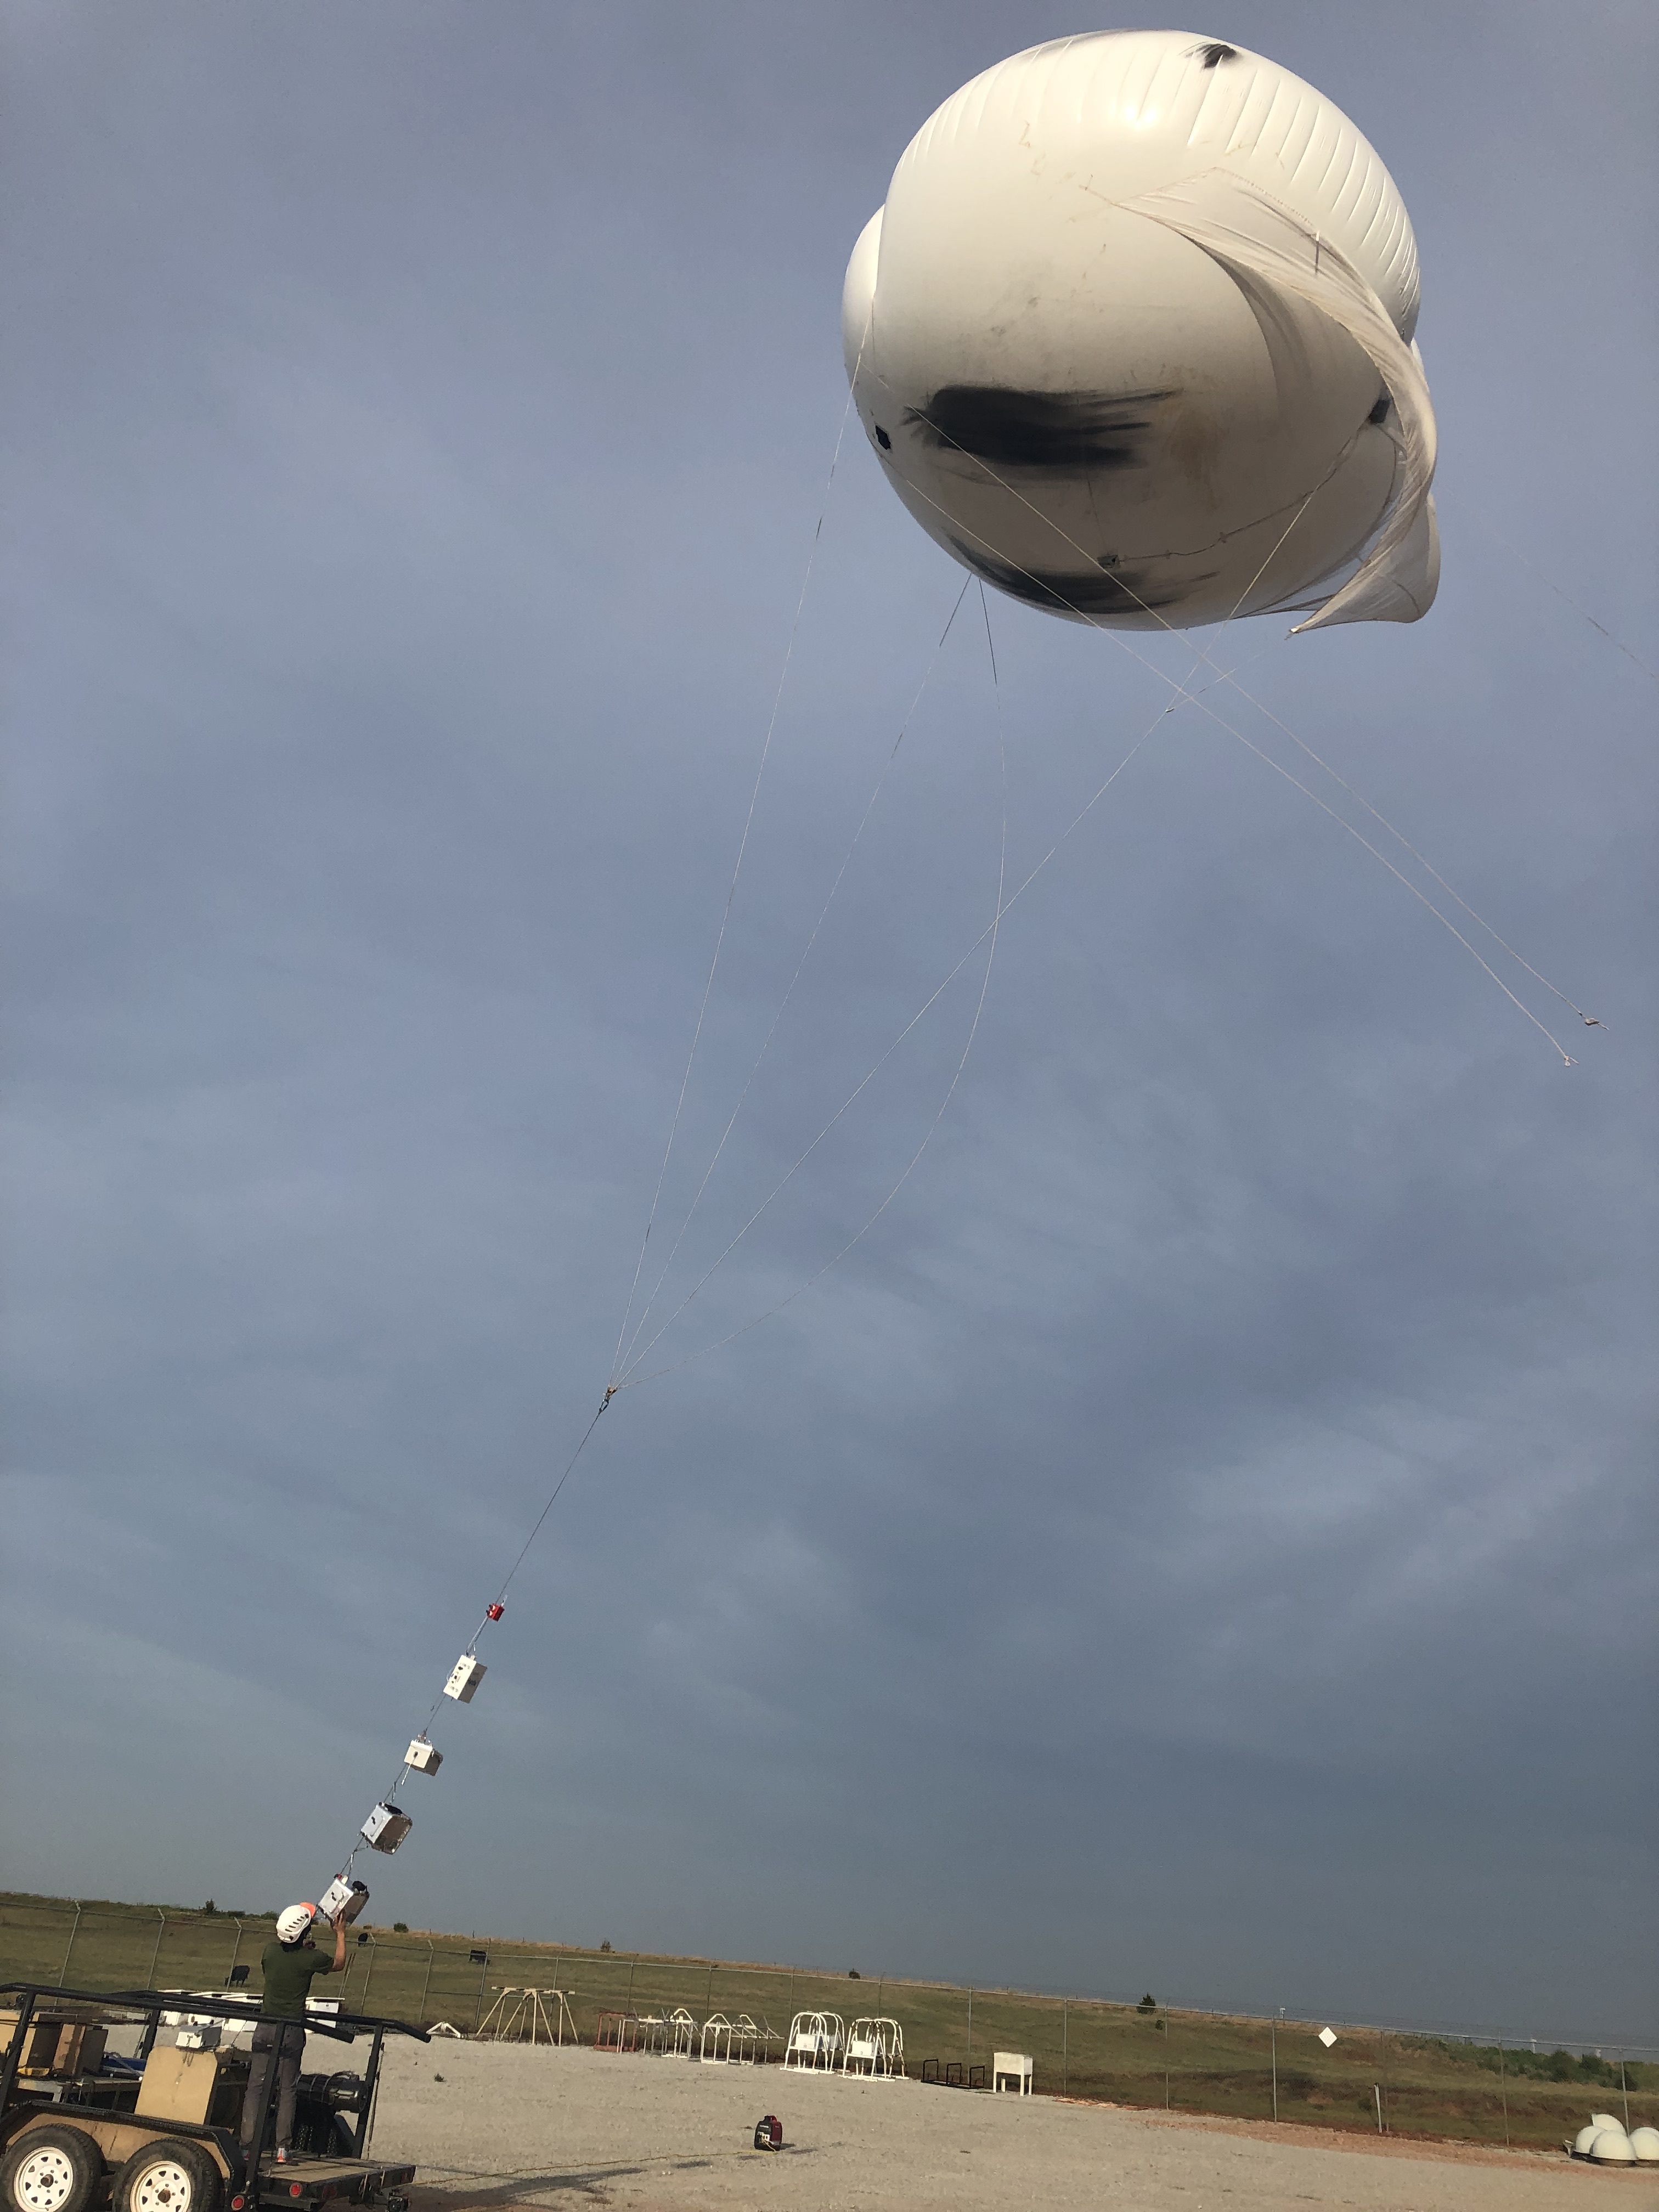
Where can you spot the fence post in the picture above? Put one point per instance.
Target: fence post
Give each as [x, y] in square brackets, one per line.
[1503, 2089]
[149, 1978]
[1064, 2045]
[970, 2025]
[1273, 2037]
[426, 1984]
[63, 1971]
[1623, 2091]
[478, 2009]
[231, 1968]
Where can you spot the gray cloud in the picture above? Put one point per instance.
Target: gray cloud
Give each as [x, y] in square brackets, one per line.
[1201, 1538]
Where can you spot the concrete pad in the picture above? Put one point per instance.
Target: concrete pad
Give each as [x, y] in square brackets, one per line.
[508, 2126]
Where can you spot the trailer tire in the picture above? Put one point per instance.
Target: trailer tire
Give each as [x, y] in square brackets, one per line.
[51, 2170]
[167, 2175]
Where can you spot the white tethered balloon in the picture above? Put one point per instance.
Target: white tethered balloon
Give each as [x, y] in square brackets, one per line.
[1132, 337]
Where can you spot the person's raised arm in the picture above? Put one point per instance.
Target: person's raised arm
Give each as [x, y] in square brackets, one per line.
[339, 1965]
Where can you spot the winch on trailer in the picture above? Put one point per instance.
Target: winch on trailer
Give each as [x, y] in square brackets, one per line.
[161, 2127]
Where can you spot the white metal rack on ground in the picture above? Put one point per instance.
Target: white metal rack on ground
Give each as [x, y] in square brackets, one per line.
[815, 2042]
[663, 2035]
[528, 2015]
[875, 2048]
[739, 2042]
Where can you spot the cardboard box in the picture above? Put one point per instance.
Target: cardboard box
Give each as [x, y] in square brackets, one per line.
[178, 2085]
[58, 2046]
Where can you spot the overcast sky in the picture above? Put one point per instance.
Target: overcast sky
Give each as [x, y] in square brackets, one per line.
[1201, 1538]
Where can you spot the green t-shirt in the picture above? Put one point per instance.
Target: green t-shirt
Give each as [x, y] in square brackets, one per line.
[289, 1970]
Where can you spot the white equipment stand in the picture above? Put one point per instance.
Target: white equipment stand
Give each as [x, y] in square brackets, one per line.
[715, 2047]
[528, 2015]
[816, 2039]
[681, 2029]
[875, 2048]
[1011, 2073]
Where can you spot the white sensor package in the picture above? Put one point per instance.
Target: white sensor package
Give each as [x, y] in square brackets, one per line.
[425, 1757]
[343, 1900]
[465, 1677]
[385, 1828]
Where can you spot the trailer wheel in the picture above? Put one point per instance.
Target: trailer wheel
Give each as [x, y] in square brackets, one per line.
[168, 2175]
[51, 2170]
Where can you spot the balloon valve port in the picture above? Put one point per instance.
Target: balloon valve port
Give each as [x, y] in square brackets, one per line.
[494, 1612]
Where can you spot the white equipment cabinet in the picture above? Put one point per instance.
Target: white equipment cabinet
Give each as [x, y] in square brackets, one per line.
[385, 1828]
[1011, 2073]
[464, 1677]
[342, 1900]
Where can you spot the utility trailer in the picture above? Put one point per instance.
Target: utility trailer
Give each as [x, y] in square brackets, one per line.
[161, 2132]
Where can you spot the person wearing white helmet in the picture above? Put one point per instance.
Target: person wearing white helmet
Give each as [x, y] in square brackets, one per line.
[289, 1964]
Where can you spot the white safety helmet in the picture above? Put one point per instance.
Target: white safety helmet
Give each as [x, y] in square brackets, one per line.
[293, 1925]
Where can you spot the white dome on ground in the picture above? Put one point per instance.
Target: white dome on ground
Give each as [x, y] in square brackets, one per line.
[1644, 2142]
[1612, 2147]
[1583, 2139]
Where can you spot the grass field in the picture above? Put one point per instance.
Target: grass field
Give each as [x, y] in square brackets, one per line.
[1189, 2062]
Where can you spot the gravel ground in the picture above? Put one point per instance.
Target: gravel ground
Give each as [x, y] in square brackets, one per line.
[561, 2128]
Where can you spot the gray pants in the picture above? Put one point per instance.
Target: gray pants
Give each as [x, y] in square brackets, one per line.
[279, 2043]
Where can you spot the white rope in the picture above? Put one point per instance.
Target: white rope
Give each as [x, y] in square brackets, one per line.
[1002, 909]
[1047, 585]
[732, 889]
[846, 861]
[490, 1613]
[1427, 865]
[991, 930]
[1001, 906]
[1515, 554]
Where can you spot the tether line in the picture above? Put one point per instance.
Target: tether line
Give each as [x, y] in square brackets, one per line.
[1515, 554]
[846, 861]
[737, 870]
[1002, 909]
[1590, 1021]
[991, 931]
[1046, 585]
[493, 1611]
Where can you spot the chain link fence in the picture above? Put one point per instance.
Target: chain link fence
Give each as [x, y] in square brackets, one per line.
[1485, 2086]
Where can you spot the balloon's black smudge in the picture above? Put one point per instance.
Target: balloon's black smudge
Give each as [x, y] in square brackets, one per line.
[1045, 433]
